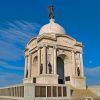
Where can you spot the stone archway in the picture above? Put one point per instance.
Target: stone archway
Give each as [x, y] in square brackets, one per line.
[60, 70]
[34, 67]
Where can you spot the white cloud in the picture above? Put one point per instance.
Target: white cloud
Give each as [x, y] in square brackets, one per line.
[10, 67]
[93, 75]
[7, 79]
[93, 71]
[13, 39]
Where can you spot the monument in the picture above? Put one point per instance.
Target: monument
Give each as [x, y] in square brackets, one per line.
[53, 57]
[53, 68]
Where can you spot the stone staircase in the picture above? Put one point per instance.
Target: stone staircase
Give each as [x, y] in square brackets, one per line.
[82, 93]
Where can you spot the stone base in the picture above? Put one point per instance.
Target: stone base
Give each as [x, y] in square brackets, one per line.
[78, 82]
[47, 79]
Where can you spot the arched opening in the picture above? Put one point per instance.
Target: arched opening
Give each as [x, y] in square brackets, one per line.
[60, 70]
[34, 67]
[35, 60]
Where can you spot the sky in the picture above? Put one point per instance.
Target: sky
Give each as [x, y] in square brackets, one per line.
[20, 20]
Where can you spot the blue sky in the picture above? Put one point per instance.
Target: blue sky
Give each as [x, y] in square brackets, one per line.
[20, 20]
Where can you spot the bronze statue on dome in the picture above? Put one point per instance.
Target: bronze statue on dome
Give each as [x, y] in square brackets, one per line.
[51, 12]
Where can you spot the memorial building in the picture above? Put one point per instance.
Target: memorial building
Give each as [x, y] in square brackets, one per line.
[53, 57]
[53, 68]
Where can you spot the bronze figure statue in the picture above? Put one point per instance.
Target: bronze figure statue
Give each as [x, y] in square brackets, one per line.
[27, 73]
[50, 68]
[51, 12]
[78, 71]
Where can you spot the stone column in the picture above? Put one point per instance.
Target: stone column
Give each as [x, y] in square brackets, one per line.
[81, 64]
[29, 66]
[26, 65]
[44, 59]
[39, 60]
[73, 63]
[55, 60]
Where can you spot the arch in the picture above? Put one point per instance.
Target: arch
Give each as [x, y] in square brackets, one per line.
[34, 68]
[60, 69]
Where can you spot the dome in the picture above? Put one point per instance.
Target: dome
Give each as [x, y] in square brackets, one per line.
[52, 27]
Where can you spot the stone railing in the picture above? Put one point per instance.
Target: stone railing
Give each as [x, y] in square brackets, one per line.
[12, 92]
[35, 92]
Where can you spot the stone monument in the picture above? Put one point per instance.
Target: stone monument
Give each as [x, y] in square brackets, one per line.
[53, 57]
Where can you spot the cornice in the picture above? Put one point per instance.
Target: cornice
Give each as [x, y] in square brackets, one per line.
[46, 36]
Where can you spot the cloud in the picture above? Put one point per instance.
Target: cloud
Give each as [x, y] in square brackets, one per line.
[93, 75]
[93, 71]
[9, 66]
[13, 39]
[7, 79]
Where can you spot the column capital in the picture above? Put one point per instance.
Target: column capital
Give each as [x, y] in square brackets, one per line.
[76, 51]
[44, 45]
[30, 54]
[38, 47]
[72, 51]
[55, 46]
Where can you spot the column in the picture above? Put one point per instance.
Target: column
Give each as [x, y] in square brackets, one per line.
[44, 59]
[55, 60]
[29, 66]
[25, 70]
[73, 63]
[39, 60]
[81, 62]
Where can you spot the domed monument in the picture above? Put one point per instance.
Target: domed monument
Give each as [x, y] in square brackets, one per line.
[53, 68]
[53, 57]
